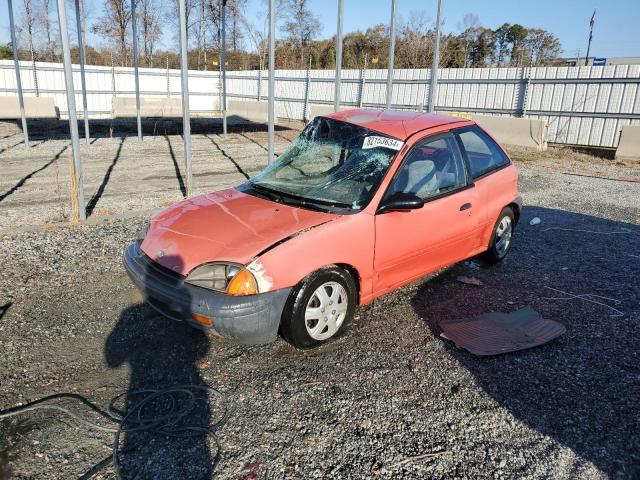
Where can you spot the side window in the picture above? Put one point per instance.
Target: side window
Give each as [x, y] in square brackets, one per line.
[431, 168]
[483, 153]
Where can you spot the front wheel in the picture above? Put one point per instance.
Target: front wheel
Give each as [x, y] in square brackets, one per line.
[319, 308]
[500, 242]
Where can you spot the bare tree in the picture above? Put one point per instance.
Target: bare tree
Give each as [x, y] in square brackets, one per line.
[29, 22]
[149, 15]
[201, 32]
[235, 9]
[113, 24]
[47, 26]
[302, 25]
[416, 41]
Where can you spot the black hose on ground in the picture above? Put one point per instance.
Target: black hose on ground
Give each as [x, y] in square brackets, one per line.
[172, 421]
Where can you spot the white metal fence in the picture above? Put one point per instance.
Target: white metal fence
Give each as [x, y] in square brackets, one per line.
[582, 105]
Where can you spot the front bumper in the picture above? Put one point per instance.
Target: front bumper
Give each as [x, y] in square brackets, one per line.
[251, 319]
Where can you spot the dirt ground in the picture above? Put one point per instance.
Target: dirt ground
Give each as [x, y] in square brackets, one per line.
[389, 399]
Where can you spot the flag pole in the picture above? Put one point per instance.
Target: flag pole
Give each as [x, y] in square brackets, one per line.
[591, 22]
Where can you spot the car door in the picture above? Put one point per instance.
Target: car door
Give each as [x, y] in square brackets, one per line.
[410, 244]
[495, 185]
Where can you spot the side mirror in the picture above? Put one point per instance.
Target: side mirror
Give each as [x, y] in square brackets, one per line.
[400, 202]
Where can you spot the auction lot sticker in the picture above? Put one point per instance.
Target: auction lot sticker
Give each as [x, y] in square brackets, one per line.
[386, 142]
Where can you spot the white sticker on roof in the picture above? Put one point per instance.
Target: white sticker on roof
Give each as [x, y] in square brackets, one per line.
[385, 142]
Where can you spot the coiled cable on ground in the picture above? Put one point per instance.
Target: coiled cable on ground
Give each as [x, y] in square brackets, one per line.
[171, 419]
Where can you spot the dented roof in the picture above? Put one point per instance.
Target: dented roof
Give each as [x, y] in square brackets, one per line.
[396, 123]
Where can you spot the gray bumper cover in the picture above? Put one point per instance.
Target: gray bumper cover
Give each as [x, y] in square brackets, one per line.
[252, 319]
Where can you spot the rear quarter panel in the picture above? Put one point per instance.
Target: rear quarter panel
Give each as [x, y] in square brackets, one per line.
[501, 189]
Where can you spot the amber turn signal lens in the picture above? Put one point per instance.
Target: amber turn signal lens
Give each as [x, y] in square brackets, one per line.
[242, 284]
[207, 322]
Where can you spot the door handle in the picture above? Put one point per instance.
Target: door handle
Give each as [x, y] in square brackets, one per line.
[466, 206]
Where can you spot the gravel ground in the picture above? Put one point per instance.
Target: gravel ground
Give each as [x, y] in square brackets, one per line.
[389, 399]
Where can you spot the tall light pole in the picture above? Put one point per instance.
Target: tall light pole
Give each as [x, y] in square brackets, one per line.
[433, 89]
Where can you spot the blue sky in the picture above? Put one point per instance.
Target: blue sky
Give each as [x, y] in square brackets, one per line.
[615, 33]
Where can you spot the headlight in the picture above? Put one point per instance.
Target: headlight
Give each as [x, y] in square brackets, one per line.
[224, 277]
[142, 233]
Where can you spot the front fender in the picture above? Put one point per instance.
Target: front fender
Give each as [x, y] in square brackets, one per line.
[348, 240]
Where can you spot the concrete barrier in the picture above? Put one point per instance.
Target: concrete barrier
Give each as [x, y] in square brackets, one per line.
[125, 107]
[251, 110]
[34, 107]
[525, 132]
[629, 144]
[321, 110]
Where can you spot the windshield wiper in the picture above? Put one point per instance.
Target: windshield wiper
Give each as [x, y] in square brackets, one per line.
[267, 192]
[297, 201]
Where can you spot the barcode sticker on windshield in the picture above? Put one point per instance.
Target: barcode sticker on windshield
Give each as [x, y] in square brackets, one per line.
[385, 142]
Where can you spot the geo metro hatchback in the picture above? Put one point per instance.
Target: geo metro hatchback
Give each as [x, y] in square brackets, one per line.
[361, 203]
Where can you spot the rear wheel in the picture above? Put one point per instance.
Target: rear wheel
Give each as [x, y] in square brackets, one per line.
[500, 243]
[319, 308]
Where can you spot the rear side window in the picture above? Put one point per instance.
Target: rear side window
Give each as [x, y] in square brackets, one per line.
[483, 153]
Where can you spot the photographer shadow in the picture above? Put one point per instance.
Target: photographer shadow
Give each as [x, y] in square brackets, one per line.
[162, 353]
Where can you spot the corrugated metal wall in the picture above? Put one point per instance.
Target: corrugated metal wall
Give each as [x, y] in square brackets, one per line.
[582, 105]
[102, 82]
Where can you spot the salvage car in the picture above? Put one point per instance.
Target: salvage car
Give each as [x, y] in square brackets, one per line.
[361, 203]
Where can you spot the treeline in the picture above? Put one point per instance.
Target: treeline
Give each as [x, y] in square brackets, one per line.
[297, 46]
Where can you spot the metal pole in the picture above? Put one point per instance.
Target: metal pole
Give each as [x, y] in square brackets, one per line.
[16, 64]
[223, 60]
[260, 81]
[307, 82]
[392, 48]
[82, 78]
[168, 82]
[135, 66]
[433, 90]
[363, 74]
[35, 72]
[76, 174]
[186, 125]
[336, 99]
[272, 82]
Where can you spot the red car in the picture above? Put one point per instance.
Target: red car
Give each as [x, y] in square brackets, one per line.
[361, 203]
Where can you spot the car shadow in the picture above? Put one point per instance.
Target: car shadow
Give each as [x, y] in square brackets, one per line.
[583, 388]
[161, 353]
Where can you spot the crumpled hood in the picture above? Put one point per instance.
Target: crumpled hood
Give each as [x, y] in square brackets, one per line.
[223, 226]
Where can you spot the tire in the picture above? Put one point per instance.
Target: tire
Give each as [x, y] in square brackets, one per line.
[309, 319]
[502, 232]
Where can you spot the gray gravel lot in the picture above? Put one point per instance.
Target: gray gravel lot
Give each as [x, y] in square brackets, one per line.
[372, 404]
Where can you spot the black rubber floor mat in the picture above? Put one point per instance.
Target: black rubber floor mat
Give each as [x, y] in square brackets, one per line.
[494, 332]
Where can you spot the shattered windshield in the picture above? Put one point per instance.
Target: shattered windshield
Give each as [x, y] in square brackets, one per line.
[331, 164]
